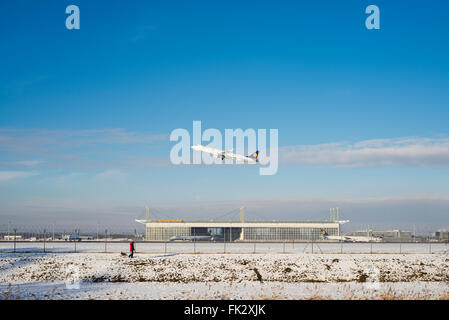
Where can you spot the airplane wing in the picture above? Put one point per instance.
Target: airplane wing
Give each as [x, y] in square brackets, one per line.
[214, 152]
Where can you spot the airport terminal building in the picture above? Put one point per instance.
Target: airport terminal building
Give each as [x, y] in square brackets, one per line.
[164, 230]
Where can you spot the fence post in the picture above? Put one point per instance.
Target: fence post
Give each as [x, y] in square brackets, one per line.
[371, 248]
[254, 247]
[165, 250]
[400, 247]
[341, 246]
[105, 240]
[15, 236]
[284, 247]
[312, 247]
[45, 236]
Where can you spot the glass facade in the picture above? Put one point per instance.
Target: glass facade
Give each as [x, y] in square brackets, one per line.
[164, 234]
[282, 233]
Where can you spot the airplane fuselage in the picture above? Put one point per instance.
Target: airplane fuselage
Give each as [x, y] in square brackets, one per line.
[226, 154]
[353, 239]
[192, 238]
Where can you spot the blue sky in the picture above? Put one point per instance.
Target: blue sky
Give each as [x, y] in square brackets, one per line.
[85, 114]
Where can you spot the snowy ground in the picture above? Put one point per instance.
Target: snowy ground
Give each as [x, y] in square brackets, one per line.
[205, 247]
[223, 276]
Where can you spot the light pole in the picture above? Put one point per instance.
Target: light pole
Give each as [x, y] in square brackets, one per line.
[194, 240]
[224, 241]
[45, 235]
[230, 234]
[15, 236]
[105, 239]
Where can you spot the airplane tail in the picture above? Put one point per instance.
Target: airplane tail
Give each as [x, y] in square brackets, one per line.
[324, 233]
[254, 155]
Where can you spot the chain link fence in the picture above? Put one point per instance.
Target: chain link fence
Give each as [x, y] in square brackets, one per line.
[107, 246]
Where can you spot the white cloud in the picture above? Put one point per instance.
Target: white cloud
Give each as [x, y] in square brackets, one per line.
[85, 149]
[9, 175]
[407, 152]
[42, 141]
[109, 175]
[29, 163]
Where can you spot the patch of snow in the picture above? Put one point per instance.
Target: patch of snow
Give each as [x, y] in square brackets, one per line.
[216, 276]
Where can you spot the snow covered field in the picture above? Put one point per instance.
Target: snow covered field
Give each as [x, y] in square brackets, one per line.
[205, 247]
[86, 275]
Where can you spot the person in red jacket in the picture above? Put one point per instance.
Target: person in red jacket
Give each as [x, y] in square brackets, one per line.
[132, 248]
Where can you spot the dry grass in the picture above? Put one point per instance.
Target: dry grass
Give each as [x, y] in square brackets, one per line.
[9, 295]
[383, 296]
[389, 294]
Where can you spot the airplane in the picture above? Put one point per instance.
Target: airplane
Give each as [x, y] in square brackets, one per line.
[343, 238]
[252, 158]
[192, 238]
[74, 237]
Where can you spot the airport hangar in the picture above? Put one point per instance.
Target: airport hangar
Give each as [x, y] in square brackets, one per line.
[164, 230]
